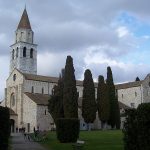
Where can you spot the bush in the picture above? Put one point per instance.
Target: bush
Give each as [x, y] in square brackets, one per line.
[67, 129]
[4, 128]
[130, 130]
[143, 117]
[137, 128]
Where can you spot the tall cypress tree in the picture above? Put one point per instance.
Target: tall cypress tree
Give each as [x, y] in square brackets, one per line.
[103, 101]
[88, 102]
[114, 119]
[70, 95]
[55, 105]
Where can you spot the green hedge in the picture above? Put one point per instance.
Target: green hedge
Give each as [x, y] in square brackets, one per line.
[137, 128]
[67, 129]
[4, 127]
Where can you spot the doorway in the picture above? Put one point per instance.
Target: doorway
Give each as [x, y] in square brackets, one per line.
[12, 124]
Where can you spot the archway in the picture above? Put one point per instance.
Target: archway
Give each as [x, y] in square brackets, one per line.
[12, 123]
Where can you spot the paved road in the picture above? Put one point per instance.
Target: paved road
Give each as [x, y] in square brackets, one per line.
[19, 143]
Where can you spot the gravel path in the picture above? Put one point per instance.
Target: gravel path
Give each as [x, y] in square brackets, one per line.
[19, 143]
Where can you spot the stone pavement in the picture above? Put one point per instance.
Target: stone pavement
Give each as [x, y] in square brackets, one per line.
[19, 143]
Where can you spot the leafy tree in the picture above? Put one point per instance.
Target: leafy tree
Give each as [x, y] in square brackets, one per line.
[56, 101]
[114, 118]
[88, 102]
[70, 95]
[103, 101]
[137, 79]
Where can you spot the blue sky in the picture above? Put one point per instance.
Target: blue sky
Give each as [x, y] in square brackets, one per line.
[96, 34]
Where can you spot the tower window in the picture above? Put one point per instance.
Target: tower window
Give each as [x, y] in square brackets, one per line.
[13, 99]
[42, 90]
[31, 53]
[135, 94]
[32, 90]
[14, 77]
[13, 54]
[17, 52]
[45, 111]
[24, 52]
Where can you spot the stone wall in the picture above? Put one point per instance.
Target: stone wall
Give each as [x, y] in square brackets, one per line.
[44, 119]
[29, 114]
[37, 86]
[146, 89]
[131, 97]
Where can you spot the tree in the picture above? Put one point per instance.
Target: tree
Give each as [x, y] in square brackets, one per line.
[114, 118]
[70, 95]
[88, 101]
[55, 105]
[103, 101]
[137, 79]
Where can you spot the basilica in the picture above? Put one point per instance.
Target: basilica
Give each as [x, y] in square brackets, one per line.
[27, 94]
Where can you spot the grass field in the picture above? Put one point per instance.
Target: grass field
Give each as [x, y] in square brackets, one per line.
[94, 140]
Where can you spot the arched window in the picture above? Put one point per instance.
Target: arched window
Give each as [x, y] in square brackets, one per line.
[17, 52]
[24, 52]
[13, 54]
[14, 77]
[42, 90]
[45, 111]
[12, 99]
[32, 90]
[31, 53]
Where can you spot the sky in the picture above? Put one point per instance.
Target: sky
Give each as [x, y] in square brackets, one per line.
[96, 34]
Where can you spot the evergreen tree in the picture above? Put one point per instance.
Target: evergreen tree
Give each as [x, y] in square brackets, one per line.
[137, 79]
[103, 101]
[114, 119]
[70, 95]
[88, 101]
[55, 105]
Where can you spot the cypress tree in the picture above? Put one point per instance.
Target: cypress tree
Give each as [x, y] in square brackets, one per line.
[55, 105]
[70, 95]
[137, 79]
[114, 119]
[102, 101]
[88, 102]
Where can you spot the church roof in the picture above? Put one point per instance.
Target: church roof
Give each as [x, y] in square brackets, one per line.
[47, 79]
[40, 78]
[24, 21]
[128, 85]
[78, 82]
[39, 99]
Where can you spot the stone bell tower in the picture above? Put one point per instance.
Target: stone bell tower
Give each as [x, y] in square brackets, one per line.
[23, 54]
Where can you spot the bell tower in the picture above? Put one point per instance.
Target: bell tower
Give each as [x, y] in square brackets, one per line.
[23, 54]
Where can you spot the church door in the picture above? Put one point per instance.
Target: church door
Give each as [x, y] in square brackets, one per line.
[12, 123]
[28, 127]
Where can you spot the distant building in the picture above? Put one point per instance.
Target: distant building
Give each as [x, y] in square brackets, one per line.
[27, 93]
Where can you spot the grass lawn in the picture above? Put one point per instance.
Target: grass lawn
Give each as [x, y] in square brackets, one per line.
[94, 140]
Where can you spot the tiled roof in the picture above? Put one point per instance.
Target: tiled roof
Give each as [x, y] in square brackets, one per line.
[39, 99]
[24, 21]
[78, 82]
[40, 78]
[48, 79]
[128, 85]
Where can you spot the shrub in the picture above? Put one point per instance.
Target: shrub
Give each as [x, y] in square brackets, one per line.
[4, 128]
[130, 130]
[137, 128]
[67, 129]
[143, 117]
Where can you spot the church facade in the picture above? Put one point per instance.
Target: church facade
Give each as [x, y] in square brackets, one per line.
[27, 93]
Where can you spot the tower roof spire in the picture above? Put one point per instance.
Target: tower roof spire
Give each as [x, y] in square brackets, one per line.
[24, 21]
